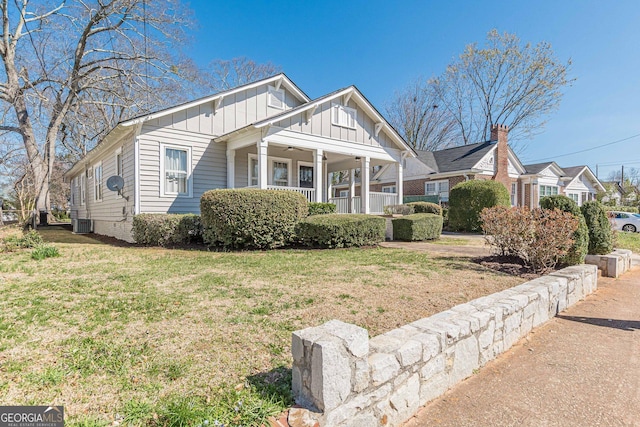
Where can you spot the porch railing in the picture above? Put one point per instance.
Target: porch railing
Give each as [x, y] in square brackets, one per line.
[309, 193]
[377, 202]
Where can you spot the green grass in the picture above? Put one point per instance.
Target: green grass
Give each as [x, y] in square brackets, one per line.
[629, 241]
[158, 337]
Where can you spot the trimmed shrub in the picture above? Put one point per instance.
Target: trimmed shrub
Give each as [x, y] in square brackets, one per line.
[581, 237]
[166, 229]
[420, 226]
[316, 208]
[398, 210]
[411, 199]
[540, 237]
[426, 207]
[467, 199]
[341, 231]
[251, 218]
[600, 231]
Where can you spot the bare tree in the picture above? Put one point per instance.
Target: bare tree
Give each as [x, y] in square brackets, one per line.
[229, 73]
[58, 59]
[414, 112]
[505, 82]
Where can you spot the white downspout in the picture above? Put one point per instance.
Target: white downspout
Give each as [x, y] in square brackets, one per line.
[136, 168]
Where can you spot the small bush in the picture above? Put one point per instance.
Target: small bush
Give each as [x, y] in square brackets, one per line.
[426, 207]
[43, 251]
[420, 226]
[581, 237]
[600, 231]
[341, 231]
[467, 199]
[251, 218]
[166, 229]
[28, 239]
[316, 208]
[398, 210]
[540, 237]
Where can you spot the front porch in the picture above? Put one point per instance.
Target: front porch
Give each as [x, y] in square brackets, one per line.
[304, 167]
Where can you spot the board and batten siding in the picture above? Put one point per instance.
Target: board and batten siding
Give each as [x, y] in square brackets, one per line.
[208, 168]
[234, 112]
[320, 124]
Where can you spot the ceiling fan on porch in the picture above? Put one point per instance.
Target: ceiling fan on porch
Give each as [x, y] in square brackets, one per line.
[292, 148]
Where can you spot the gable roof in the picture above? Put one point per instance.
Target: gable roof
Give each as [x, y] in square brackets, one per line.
[536, 168]
[461, 158]
[575, 171]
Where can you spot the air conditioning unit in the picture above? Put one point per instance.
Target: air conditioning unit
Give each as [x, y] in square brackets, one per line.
[82, 226]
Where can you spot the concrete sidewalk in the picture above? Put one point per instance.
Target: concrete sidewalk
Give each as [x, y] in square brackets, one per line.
[579, 369]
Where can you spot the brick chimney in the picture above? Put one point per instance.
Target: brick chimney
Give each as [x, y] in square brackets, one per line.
[499, 133]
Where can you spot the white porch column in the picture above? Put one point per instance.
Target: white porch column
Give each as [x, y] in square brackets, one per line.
[364, 186]
[329, 187]
[231, 168]
[399, 179]
[262, 164]
[318, 174]
[352, 190]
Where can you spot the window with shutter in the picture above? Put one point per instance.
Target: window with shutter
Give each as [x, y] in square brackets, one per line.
[343, 116]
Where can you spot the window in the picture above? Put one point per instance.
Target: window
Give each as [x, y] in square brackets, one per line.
[253, 170]
[83, 189]
[119, 168]
[280, 173]
[514, 194]
[389, 189]
[175, 166]
[343, 116]
[97, 182]
[305, 175]
[275, 98]
[548, 190]
[344, 193]
[437, 188]
[74, 186]
[574, 197]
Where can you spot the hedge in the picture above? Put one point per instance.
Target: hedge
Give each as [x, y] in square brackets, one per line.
[398, 210]
[166, 229]
[600, 232]
[426, 207]
[467, 199]
[341, 231]
[251, 218]
[420, 226]
[316, 208]
[630, 209]
[581, 237]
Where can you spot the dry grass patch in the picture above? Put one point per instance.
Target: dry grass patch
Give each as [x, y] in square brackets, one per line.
[162, 337]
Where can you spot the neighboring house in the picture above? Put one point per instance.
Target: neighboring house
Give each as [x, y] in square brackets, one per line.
[435, 173]
[266, 134]
[614, 193]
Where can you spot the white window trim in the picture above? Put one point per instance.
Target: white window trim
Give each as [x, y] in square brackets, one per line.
[97, 184]
[189, 193]
[389, 186]
[306, 164]
[117, 153]
[514, 194]
[342, 108]
[83, 189]
[541, 186]
[271, 90]
[270, 161]
[437, 188]
[74, 185]
[344, 193]
[249, 171]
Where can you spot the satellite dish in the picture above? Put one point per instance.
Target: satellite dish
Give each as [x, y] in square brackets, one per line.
[115, 183]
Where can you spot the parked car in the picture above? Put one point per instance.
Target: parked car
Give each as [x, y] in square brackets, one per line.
[625, 221]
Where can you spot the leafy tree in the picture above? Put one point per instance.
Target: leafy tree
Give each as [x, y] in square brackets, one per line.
[504, 82]
[229, 73]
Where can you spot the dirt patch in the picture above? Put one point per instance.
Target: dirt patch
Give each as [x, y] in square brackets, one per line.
[510, 265]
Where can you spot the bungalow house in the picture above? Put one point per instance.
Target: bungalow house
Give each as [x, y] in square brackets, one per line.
[268, 134]
[434, 173]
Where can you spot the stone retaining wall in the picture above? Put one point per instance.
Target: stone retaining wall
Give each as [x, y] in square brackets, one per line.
[351, 380]
[613, 264]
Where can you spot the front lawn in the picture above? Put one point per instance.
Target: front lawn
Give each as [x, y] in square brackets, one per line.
[151, 336]
[628, 241]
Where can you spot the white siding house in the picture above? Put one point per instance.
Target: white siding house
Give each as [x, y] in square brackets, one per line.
[266, 134]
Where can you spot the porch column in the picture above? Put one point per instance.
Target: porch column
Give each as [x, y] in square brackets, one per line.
[329, 186]
[231, 168]
[262, 164]
[352, 190]
[399, 179]
[318, 174]
[364, 186]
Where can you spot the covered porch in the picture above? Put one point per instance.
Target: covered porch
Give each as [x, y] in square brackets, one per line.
[282, 160]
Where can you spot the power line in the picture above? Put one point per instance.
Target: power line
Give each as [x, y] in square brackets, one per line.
[586, 149]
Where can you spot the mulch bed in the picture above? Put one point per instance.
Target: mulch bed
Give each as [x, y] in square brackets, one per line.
[510, 265]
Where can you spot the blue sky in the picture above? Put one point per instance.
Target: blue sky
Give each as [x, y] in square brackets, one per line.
[382, 45]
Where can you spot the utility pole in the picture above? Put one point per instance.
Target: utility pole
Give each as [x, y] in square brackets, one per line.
[622, 176]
